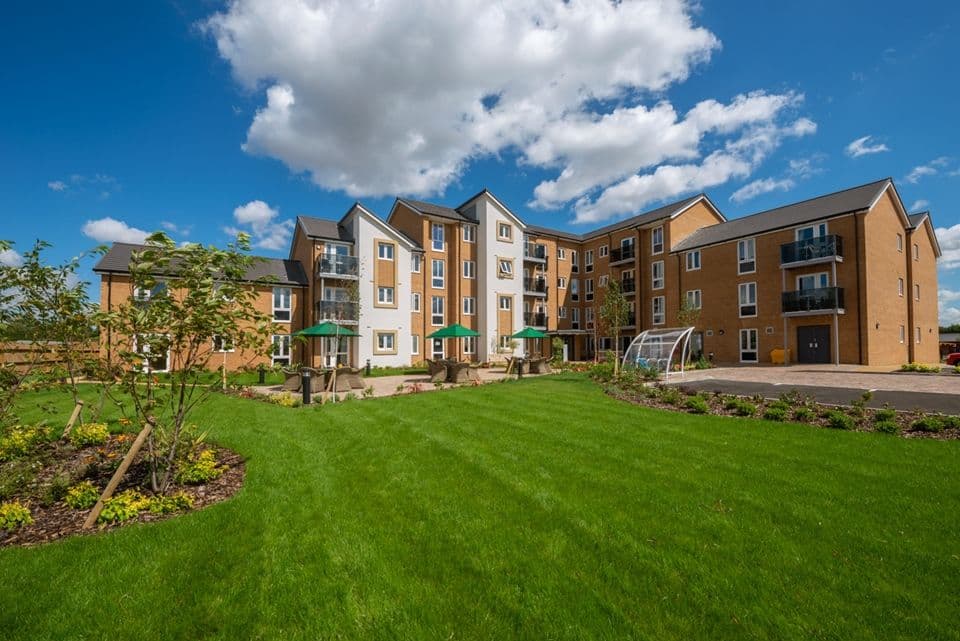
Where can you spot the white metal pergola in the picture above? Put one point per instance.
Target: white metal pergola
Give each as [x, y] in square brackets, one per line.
[659, 349]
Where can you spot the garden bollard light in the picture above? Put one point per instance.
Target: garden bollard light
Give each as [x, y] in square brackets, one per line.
[261, 374]
[520, 368]
[305, 386]
[368, 367]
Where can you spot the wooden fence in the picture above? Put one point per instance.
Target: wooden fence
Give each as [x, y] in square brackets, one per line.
[22, 354]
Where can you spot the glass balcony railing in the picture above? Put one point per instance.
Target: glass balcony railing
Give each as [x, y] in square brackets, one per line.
[628, 285]
[535, 319]
[336, 310]
[337, 266]
[809, 249]
[630, 321]
[535, 286]
[813, 300]
[627, 252]
[535, 251]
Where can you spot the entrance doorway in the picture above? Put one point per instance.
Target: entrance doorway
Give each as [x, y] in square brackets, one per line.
[813, 344]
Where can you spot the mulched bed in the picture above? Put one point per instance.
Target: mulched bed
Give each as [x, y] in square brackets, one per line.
[653, 396]
[53, 519]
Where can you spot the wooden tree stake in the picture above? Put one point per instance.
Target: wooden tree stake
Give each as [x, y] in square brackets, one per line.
[117, 476]
[73, 419]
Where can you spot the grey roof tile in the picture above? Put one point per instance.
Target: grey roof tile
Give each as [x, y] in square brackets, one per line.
[431, 209]
[324, 228]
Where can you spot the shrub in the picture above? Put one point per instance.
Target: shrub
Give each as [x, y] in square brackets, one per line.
[602, 372]
[803, 414]
[368, 391]
[20, 440]
[919, 367]
[14, 515]
[887, 427]
[931, 424]
[89, 434]
[950, 422]
[123, 507]
[697, 405]
[775, 414]
[286, 399]
[779, 405]
[731, 403]
[670, 395]
[745, 408]
[170, 504]
[199, 468]
[885, 414]
[702, 363]
[56, 490]
[82, 496]
[839, 420]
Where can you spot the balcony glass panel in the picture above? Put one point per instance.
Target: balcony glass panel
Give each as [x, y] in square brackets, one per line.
[811, 300]
[815, 248]
[333, 265]
[336, 310]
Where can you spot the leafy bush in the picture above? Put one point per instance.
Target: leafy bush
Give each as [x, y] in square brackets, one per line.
[886, 414]
[931, 424]
[775, 414]
[368, 391]
[123, 507]
[56, 490]
[602, 372]
[702, 363]
[20, 440]
[745, 408]
[670, 395]
[779, 405]
[199, 468]
[839, 420]
[14, 515]
[950, 422]
[697, 405]
[170, 504]
[731, 403]
[89, 434]
[887, 427]
[920, 367]
[803, 414]
[82, 496]
[286, 399]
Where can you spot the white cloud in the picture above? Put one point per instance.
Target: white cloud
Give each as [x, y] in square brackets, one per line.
[762, 186]
[173, 228]
[10, 258]
[949, 239]
[862, 147]
[57, 185]
[919, 205]
[949, 315]
[931, 168]
[259, 217]
[107, 230]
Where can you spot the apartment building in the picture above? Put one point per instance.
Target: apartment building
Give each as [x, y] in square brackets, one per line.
[849, 277]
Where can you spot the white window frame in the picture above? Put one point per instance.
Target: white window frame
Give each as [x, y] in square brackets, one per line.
[561, 283]
[916, 291]
[918, 335]
[657, 282]
[819, 231]
[385, 295]
[469, 306]
[916, 252]
[501, 299]
[590, 317]
[693, 260]
[741, 304]
[414, 343]
[900, 287]
[561, 312]
[469, 345]
[469, 233]
[415, 262]
[575, 317]
[695, 299]
[224, 341]
[384, 250]
[437, 348]
[900, 243]
[504, 267]
[285, 353]
[285, 293]
[561, 253]
[434, 277]
[819, 277]
[903, 334]
[381, 346]
[574, 261]
[658, 317]
[437, 237]
[147, 354]
[604, 251]
[470, 269]
[575, 290]
[756, 345]
[588, 260]
[656, 240]
[742, 257]
[588, 289]
[504, 231]
[434, 301]
[415, 302]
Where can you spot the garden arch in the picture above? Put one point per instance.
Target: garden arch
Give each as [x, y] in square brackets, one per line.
[659, 349]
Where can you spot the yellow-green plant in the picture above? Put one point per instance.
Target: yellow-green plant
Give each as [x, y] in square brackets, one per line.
[199, 468]
[82, 496]
[170, 504]
[14, 515]
[123, 507]
[89, 434]
[20, 440]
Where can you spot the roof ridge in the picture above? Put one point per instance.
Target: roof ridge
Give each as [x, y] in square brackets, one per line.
[812, 198]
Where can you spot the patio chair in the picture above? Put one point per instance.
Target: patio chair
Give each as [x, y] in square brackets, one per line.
[317, 379]
[437, 371]
[352, 375]
[342, 383]
[473, 372]
[540, 366]
[459, 373]
[291, 382]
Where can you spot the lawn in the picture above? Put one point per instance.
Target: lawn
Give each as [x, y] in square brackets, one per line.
[538, 509]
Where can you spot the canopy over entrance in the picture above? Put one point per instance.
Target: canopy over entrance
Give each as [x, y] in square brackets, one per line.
[659, 349]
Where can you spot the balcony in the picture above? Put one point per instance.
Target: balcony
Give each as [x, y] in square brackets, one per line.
[630, 321]
[336, 266]
[808, 302]
[621, 254]
[534, 286]
[535, 319]
[810, 251]
[337, 310]
[535, 252]
[628, 285]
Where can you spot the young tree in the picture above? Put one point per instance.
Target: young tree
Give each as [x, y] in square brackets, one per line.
[687, 315]
[614, 310]
[187, 301]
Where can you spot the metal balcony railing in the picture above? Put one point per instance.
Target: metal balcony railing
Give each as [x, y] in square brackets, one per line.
[535, 319]
[630, 321]
[338, 266]
[811, 249]
[535, 251]
[618, 254]
[535, 286]
[336, 310]
[628, 285]
[813, 300]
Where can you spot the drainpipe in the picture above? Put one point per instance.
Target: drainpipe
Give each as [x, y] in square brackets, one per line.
[861, 293]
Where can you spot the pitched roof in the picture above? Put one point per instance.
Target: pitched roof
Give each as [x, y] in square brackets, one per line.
[647, 217]
[917, 219]
[430, 209]
[278, 270]
[323, 228]
[835, 204]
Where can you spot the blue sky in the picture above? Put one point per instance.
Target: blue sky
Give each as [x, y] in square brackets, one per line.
[118, 117]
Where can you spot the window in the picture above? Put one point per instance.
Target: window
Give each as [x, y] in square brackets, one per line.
[917, 334]
[604, 251]
[748, 345]
[385, 251]
[694, 299]
[626, 244]
[281, 304]
[656, 241]
[222, 344]
[155, 350]
[506, 303]
[415, 302]
[437, 272]
[505, 342]
[561, 283]
[385, 295]
[916, 252]
[916, 291]
[504, 231]
[693, 260]
[589, 317]
[437, 348]
[659, 310]
[747, 256]
[281, 349]
[436, 310]
[469, 269]
[574, 290]
[657, 274]
[561, 312]
[575, 318]
[505, 268]
[436, 236]
[469, 305]
[900, 245]
[748, 299]
[469, 233]
[900, 287]
[588, 260]
[603, 280]
[903, 333]
[811, 231]
[143, 294]
[386, 342]
[469, 344]
[588, 290]
[414, 344]
[813, 281]
[561, 253]
[415, 260]
[574, 261]
[606, 343]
